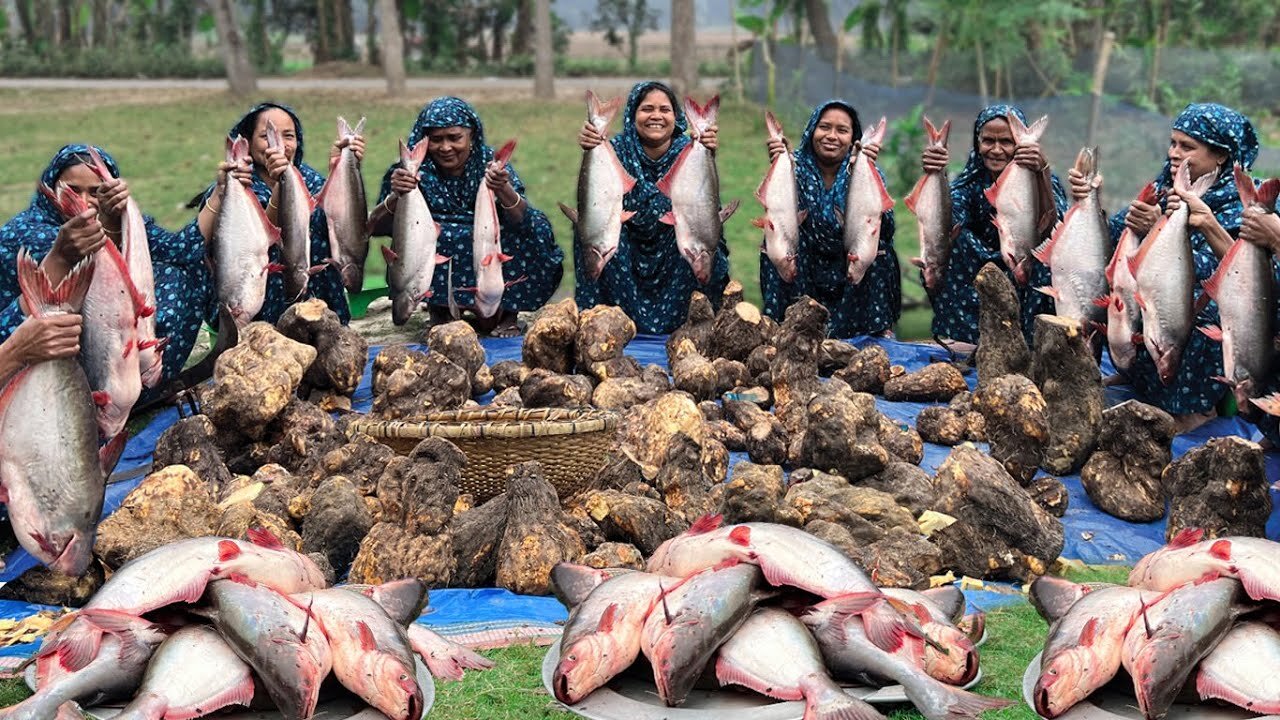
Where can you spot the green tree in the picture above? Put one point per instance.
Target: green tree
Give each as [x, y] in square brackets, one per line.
[633, 17]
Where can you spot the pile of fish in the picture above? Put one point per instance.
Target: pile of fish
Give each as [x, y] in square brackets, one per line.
[1200, 614]
[770, 608]
[204, 623]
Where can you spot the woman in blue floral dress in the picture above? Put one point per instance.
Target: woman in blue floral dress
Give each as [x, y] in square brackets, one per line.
[647, 277]
[955, 302]
[458, 160]
[870, 307]
[182, 281]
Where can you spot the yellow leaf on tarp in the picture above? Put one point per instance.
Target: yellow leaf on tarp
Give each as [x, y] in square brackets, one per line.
[940, 580]
[1062, 565]
[968, 583]
[28, 629]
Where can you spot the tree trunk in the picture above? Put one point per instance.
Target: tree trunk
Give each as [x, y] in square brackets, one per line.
[982, 74]
[820, 23]
[684, 57]
[320, 50]
[101, 23]
[372, 56]
[23, 8]
[544, 69]
[235, 56]
[935, 61]
[499, 32]
[392, 43]
[62, 24]
[1162, 32]
[347, 30]
[521, 39]
[737, 59]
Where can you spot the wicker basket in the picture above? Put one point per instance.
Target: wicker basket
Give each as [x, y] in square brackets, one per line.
[570, 444]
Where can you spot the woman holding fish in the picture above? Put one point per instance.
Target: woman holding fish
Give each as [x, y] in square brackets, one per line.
[1003, 147]
[819, 264]
[457, 162]
[285, 186]
[181, 278]
[653, 271]
[1175, 366]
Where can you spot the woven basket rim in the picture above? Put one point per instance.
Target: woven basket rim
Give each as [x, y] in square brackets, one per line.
[510, 423]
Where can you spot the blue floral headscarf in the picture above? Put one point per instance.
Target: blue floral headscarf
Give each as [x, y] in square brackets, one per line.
[975, 168]
[245, 126]
[69, 156]
[807, 171]
[1227, 130]
[630, 148]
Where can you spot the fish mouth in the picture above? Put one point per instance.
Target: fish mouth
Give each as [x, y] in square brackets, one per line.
[1041, 698]
[560, 685]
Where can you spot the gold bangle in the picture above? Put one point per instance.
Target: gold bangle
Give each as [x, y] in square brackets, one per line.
[513, 205]
[386, 204]
[271, 202]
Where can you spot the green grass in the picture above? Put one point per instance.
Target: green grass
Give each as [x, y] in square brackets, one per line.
[169, 145]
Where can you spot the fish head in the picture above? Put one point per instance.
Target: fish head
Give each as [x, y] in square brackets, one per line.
[1064, 681]
[787, 268]
[952, 656]
[153, 369]
[676, 654]
[587, 665]
[402, 599]
[1168, 361]
[68, 553]
[395, 684]
[402, 307]
[572, 583]
[352, 277]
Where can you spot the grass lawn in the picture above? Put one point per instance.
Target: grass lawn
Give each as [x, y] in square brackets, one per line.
[168, 145]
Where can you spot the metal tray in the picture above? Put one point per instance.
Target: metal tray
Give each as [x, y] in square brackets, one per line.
[1114, 702]
[632, 696]
[341, 705]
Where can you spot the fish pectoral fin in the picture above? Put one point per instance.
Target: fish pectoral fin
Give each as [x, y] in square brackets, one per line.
[628, 214]
[727, 211]
[1048, 290]
[101, 398]
[1213, 332]
[487, 260]
[317, 269]
[569, 212]
[668, 219]
[389, 255]
[503, 257]
[442, 259]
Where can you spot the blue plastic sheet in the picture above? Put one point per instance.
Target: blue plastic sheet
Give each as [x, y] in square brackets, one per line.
[1091, 535]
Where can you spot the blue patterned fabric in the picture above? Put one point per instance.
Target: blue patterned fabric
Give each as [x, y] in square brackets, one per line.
[537, 262]
[868, 308]
[182, 280]
[1193, 389]
[955, 303]
[647, 277]
[327, 284]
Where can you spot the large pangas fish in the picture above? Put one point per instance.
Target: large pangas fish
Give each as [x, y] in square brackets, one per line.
[1082, 652]
[242, 235]
[782, 214]
[114, 674]
[1053, 596]
[1243, 668]
[1163, 647]
[865, 202]
[775, 655]
[415, 235]
[602, 183]
[180, 572]
[444, 658]
[346, 210]
[1165, 272]
[295, 207]
[137, 257]
[404, 600]
[1255, 562]
[1124, 317]
[930, 200]
[787, 556]
[571, 583]
[690, 622]
[109, 340]
[849, 653]
[51, 468]
[371, 653]
[602, 637]
[1077, 254]
[951, 655]
[486, 244]
[1244, 288]
[693, 184]
[192, 674]
[289, 654]
[1016, 199]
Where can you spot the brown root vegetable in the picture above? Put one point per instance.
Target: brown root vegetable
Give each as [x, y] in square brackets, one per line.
[932, 383]
[544, 388]
[414, 385]
[1050, 494]
[867, 370]
[728, 434]
[759, 363]
[976, 489]
[1002, 348]
[1123, 477]
[508, 398]
[1017, 423]
[711, 411]
[902, 558]
[341, 353]
[192, 442]
[834, 355]
[941, 425]
[615, 555]
[794, 371]
[362, 461]
[337, 522]
[613, 369]
[420, 491]
[255, 380]
[733, 294]
[537, 535]
[303, 434]
[1220, 487]
[685, 488]
[737, 331]
[693, 373]
[170, 504]
[765, 439]
[730, 374]
[757, 493]
[476, 535]
[842, 434]
[902, 442]
[458, 342]
[910, 486]
[697, 327]
[623, 393]
[641, 521]
[550, 341]
[603, 332]
[507, 374]
[977, 552]
[1064, 369]
[43, 586]
[819, 496]
[390, 552]
[645, 432]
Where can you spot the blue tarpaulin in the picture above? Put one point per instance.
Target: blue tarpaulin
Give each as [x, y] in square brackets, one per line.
[1091, 535]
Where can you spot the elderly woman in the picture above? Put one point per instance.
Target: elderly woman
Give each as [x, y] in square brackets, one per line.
[955, 302]
[458, 160]
[870, 307]
[647, 277]
[182, 282]
[263, 178]
[1210, 138]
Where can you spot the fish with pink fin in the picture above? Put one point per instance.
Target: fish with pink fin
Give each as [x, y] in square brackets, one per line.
[1124, 317]
[866, 201]
[1016, 199]
[602, 184]
[930, 200]
[1255, 562]
[782, 214]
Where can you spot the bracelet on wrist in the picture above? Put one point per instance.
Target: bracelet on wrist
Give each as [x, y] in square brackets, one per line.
[513, 205]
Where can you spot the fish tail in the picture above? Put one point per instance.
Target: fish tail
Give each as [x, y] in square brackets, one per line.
[824, 700]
